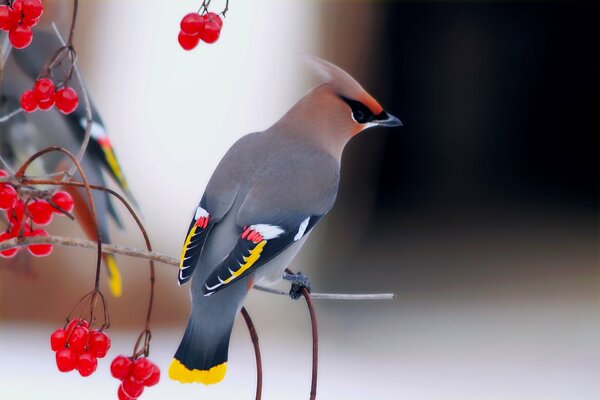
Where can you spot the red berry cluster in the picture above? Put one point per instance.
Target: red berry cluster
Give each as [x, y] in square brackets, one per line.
[196, 27]
[21, 217]
[134, 375]
[44, 96]
[18, 19]
[78, 347]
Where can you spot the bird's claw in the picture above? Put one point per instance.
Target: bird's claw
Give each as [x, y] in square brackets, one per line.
[299, 281]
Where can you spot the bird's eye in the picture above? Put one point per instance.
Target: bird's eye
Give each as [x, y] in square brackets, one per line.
[360, 112]
[359, 116]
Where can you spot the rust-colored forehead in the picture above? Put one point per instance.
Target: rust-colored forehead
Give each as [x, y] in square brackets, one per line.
[370, 102]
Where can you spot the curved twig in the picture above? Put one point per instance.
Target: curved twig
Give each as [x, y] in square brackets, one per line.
[85, 184]
[254, 337]
[86, 101]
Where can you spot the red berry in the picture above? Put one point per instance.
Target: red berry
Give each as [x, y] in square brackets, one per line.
[122, 395]
[43, 89]
[132, 387]
[5, 17]
[46, 105]
[192, 24]
[99, 343]
[214, 17]
[64, 201]
[32, 8]
[58, 340]
[8, 196]
[16, 213]
[30, 22]
[120, 367]
[39, 250]
[66, 100]
[86, 364]
[3, 173]
[154, 376]
[142, 369]
[66, 360]
[28, 101]
[20, 36]
[211, 31]
[41, 212]
[75, 322]
[8, 253]
[78, 339]
[188, 42]
[17, 7]
[14, 16]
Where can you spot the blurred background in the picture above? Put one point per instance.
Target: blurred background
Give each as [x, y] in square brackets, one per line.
[481, 213]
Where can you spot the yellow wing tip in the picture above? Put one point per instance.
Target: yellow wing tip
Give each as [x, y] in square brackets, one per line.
[114, 277]
[179, 372]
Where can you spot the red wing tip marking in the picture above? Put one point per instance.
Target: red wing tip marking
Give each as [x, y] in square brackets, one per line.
[202, 222]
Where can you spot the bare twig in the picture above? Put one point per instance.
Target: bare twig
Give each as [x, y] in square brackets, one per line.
[254, 337]
[11, 114]
[86, 104]
[315, 346]
[168, 260]
[19, 176]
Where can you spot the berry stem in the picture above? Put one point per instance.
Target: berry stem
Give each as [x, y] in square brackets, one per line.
[19, 176]
[133, 215]
[225, 9]
[73, 20]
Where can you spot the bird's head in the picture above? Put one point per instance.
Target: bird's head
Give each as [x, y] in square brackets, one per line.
[352, 105]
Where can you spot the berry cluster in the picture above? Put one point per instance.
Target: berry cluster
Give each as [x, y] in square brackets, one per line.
[44, 95]
[196, 27]
[134, 375]
[78, 347]
[22, 215]
[18, 20]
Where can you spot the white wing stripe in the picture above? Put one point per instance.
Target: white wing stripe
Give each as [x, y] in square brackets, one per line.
[200, 212]
[302, 229]
[268, 231]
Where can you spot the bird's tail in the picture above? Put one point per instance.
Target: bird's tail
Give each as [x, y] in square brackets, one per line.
[114, 275]
[202, 353]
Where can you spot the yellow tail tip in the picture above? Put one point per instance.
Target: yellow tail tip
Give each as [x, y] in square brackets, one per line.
[179, 372]
[114, 277]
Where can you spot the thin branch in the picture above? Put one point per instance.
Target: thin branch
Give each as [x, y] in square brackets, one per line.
[90, 198]
[167, 260]
[254, 337]
[86, 104]
[11, 114]
[315, 340]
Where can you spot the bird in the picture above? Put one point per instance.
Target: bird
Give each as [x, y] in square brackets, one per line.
[263, 200]
[26, 133]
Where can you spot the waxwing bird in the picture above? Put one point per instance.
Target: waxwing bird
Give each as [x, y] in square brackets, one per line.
[261, 203]
[26, 133]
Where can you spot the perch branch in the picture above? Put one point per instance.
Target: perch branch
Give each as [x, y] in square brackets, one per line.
[168, 260]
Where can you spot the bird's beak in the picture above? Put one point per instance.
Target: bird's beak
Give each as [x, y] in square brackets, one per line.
[388, 120]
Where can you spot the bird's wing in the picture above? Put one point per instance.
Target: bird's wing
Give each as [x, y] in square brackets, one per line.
[100, 146]
[258, 244]
[195, 238]
[31, 61]
[286, 201]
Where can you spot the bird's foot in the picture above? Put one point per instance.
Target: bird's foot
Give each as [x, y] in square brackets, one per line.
[299, 281]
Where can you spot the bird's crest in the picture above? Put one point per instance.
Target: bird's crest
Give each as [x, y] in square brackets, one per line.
[342, 82]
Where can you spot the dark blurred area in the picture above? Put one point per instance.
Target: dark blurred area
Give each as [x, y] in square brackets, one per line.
[500, 109]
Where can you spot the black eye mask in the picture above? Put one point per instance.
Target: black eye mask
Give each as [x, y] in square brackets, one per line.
[361, 113]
